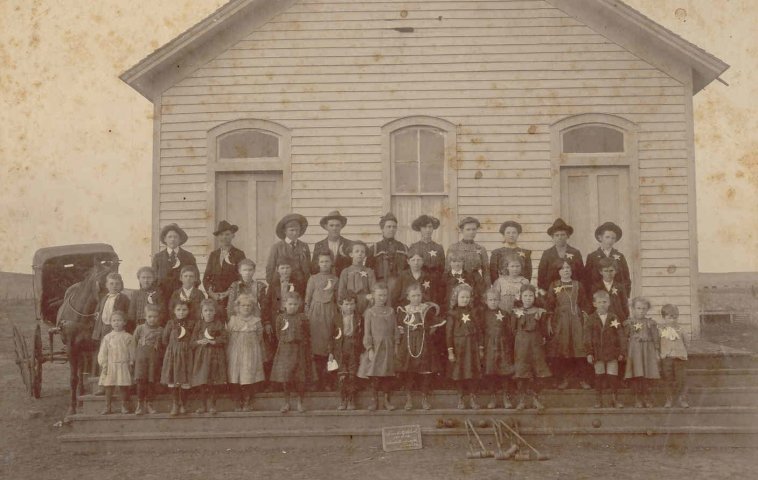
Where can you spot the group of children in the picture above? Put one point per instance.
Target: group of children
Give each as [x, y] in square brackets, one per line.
[390, 313]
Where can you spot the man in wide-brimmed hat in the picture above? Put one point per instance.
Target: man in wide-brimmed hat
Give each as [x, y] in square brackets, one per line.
[334, 242]
[547, 271]
[289, 230]
[388, 257]
[607, 235]
[221, 270]
[168, 263]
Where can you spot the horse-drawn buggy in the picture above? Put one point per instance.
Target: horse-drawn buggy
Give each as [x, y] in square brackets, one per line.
[68, 281]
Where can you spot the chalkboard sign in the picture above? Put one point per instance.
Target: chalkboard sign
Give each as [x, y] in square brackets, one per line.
[404, 437]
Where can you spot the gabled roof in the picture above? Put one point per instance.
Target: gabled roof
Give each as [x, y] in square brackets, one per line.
[614, 19]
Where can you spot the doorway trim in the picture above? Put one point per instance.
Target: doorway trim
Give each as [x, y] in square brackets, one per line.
[628, 158]
[282, 163]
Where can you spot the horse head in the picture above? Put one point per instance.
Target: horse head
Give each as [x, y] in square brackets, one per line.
[76, 316]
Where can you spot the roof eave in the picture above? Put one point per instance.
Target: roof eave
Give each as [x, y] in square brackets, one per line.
[199, 44]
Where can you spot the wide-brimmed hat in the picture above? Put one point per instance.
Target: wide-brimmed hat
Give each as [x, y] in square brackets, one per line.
[510, 223]
[468, 220]
[560, 225]
[173, 227]
[224, 226]
[387, 217]
[424, 220]
[292, 217]
[608, 226]
[333, 215]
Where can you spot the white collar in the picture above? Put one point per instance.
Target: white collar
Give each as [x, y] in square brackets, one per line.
[187, 292]
[608, 285]
[608, 252]
[454, 272]
[171, 250]
[290, 242]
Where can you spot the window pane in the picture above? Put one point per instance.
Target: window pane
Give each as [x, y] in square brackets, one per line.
[593, 139]
[405, 178]
[248, 144]
[404, 146]
[432, 152]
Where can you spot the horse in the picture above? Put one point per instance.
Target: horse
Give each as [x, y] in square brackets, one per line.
[75, 321]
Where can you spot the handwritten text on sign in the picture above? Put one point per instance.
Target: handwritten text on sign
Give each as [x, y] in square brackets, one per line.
[405, 437]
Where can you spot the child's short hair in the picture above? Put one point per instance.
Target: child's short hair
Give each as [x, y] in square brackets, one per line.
[188, 268]
[528, 287]
[186, 303]
[380, 286]
[244, 296]
[606, 262]
[349, 297]
[413, 287]
[283, 261]
[114, 276]
[415, 250]
[514, 258]
[358, 243]
[455, 257]
[670, 310]
[600, 293]
[150, 270]
[642, 300]
[325, 253]
[246, 262]
[291, 296]
[459, 288]
[492, 292]
[208, 302]
[118, 313]
[150, 308]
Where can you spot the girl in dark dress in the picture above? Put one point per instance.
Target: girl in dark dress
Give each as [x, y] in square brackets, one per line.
[147, 368]
[293, 363]
[498, 349]
[530, 326]
[464, 345]
[177, 361]
[415, 353]
[209, 365]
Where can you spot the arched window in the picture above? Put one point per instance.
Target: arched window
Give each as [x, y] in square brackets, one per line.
[248, 143]
[417, 174]
[593, 139]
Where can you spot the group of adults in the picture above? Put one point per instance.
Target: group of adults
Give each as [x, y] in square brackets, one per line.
[387, 257]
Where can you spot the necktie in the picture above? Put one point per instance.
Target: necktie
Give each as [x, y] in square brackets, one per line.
[172, 258]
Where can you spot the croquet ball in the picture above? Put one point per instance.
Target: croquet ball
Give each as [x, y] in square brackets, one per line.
[449, 423]
[596, 423]
[482, 424]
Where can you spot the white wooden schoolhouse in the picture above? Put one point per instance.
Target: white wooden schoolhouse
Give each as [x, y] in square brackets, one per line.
[499, 109]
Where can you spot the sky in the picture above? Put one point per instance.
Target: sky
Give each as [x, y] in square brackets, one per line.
[76, 142]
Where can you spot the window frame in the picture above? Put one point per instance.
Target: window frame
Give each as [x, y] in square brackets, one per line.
[445, 185]
[450, 133]
[593, 124]
[628, 158]
[216, 164]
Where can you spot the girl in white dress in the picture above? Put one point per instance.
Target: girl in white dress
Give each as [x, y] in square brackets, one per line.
[245, 350]
[116, 360]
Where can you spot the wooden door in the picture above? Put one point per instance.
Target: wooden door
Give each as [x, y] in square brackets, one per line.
[253, 202]
[407, 208]
[591, 196]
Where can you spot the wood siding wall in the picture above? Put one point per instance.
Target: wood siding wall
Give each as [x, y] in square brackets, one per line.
[335, 71]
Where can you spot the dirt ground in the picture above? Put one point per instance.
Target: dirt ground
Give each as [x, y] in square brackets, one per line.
[29, 449]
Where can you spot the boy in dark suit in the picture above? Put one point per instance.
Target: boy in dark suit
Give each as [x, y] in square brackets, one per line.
[168, 263]
[289, 230]
[334, 243]
[607, 235]
[221, 270]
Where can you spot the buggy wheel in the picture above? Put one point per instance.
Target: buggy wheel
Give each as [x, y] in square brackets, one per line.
[22, 359]
[36, 364]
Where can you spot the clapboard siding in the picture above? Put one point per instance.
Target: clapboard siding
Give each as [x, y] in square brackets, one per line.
[334, 72]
